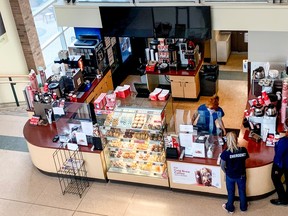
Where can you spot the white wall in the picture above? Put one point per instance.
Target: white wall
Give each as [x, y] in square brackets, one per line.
[268, 46]
[12, 59]
[250, 17]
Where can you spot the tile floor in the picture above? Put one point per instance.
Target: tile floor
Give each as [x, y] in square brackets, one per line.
[24, 191]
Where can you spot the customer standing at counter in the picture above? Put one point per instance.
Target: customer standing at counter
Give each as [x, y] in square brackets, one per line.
[233, 164]
[280, 168]
[210, 117]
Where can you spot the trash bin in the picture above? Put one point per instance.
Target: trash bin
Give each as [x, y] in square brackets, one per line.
[209, 80]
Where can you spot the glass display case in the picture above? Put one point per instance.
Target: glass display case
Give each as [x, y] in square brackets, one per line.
[134, 141]
[74, 122]
[193, 131]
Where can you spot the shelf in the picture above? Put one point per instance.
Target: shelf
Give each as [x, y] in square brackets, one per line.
[135, 149]
[71, 170]
[76, 186]
[138, 161]
[136, 172]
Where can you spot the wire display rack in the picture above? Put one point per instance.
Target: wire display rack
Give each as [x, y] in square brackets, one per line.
[71, 171]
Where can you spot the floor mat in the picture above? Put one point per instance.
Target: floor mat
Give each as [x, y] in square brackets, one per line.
[230, 75]
[13, 143]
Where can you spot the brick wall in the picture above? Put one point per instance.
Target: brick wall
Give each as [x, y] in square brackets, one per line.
[27, 33]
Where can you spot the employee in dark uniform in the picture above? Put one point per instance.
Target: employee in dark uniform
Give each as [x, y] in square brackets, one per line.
[209, 117]
[233, 164]
[280, 168]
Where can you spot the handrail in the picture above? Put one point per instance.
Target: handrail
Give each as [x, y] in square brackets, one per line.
[14, 82]
[20, 81]
[13, 75]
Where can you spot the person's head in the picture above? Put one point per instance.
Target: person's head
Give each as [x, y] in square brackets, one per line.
[213, 102]
[232, 141]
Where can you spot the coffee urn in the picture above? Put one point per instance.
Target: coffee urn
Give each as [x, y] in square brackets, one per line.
[173, 55]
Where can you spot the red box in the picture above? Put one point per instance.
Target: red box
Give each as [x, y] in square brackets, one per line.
[100, 102]
[110, 105]
[34, 120]
[151, 66]
[154, 95]
[123, 91]
[111, 97]
[163, 95]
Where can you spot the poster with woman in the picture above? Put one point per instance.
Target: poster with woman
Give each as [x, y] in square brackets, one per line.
[3, 35]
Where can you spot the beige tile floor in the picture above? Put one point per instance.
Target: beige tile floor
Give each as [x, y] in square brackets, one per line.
[24, 191]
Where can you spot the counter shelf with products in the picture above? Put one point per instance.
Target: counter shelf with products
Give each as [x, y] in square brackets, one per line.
[204, 175]
[72, 117]
[134, 149]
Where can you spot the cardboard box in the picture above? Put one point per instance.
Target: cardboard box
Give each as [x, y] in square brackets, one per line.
[111, 97]
[110, 105]
[163, 95]
[123, 91]
[154, 95]
[100, 102]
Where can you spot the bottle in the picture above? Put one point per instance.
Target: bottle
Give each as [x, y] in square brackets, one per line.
[266, 99]
[74, 98]
[209, 152]
[279, 99]
[260, 100]
[246, 114]
[54, 96]
[45, 88]
[42, 74]
[30, 96]
[33, 80]
[70, 95]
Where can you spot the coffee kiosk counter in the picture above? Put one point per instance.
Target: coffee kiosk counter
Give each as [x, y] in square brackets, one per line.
[258, 168]
[41, 149]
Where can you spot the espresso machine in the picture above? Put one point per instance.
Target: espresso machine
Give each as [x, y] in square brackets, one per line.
[190, 55]
[187, 53]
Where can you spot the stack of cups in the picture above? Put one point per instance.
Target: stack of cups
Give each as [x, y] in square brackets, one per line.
[283, 109]
[285, 88]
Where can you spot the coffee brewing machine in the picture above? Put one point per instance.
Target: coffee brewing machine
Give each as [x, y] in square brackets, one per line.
[188, 53]
[68, 72]
[173, 55]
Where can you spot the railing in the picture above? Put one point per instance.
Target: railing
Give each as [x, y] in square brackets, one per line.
[13, 83]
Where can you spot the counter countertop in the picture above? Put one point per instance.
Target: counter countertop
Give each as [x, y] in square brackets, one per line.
[41, 136]
[179, 71]
[259, 153]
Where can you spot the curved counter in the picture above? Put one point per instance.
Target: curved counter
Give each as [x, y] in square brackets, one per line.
[259, 183]
[41, 148]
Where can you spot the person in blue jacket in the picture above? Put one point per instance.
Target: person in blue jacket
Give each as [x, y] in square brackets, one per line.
[210, 117]
[280, 168]
[233, 163]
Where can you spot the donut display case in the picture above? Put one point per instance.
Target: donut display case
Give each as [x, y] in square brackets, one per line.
[135, 149]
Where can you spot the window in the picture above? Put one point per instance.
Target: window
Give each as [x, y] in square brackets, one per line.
[51, 37]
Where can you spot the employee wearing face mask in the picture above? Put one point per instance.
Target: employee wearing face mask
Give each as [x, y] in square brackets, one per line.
[209, 117]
